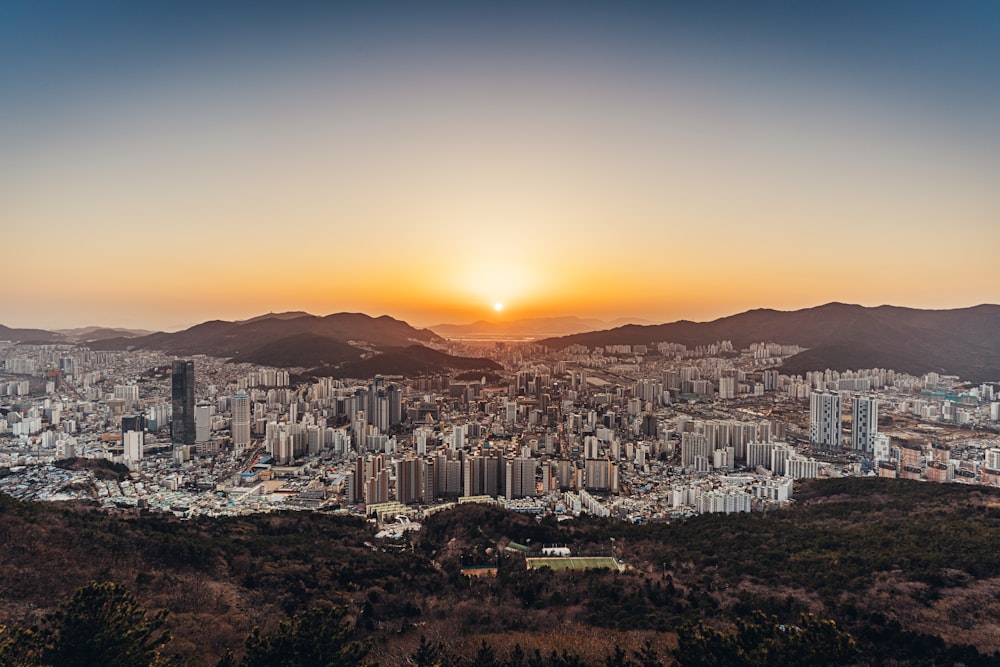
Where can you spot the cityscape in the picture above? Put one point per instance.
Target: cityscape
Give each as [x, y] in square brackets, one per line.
[550, 430]
[499, 334]
[639, 432]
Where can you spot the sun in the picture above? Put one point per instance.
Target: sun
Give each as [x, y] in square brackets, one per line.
[498, 307]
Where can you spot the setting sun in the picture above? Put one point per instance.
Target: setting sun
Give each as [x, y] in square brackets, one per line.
[563, 179]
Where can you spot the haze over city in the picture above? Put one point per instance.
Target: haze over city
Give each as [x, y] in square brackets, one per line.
[169, 163]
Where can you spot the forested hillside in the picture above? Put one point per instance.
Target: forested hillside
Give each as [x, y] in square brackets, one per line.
[862, 571]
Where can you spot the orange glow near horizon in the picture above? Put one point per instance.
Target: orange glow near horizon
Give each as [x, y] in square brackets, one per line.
[429, 173]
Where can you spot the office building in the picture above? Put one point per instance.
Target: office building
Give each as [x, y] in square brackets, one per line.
[202, 422]
[182, 431]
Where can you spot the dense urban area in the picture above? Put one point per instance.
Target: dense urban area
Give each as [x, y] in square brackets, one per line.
[644, 433]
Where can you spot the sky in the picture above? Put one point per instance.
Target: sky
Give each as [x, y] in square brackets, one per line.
[166, 163]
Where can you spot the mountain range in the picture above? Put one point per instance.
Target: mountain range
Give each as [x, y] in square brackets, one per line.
[243, 339]
[963, 341]
[536, 326]
[341, 344]
[87, 334]
[79, 335]
[838, 336]
[31, 335]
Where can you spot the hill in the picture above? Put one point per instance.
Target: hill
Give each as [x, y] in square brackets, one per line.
[86, 334]
[909, 569]
[231, 339]
[30, 335]
[331, 345]
[842, 336]
[288, 315]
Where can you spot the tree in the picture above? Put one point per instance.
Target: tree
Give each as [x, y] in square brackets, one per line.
[428, 654]
[485, 656]
[647, 656]
[517, 657]
[760, 640]
[19, 647]
[617, 658]
[318, 637]
[100, 624]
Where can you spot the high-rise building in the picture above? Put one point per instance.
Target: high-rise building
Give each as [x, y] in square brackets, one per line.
[134, 422]
[241, 422]
[410, 480]
[602, 475]
[202, 422]
[377, 488]
[182, 430]
[824, 419]
[770, 378]
[282, 444]
[760, 454]
[727, 388]
[520, 478]
[480, 475]
[65, 446]
[883, 448]
[864, 424]
[132, 448]
[801, 468]
[779, 459]
[395, 397]
[133, 429]
[694, 445]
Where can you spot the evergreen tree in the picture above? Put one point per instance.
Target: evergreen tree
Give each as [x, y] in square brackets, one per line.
[101, 624]
[485, 656]
[761, 640]
[428, 654]
[318, 637]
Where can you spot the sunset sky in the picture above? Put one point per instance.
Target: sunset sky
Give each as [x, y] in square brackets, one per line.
[165, 163]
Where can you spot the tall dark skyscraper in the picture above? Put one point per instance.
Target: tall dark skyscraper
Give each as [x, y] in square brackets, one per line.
[182, 394]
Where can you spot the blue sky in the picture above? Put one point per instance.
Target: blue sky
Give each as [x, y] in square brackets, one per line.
[854, 145]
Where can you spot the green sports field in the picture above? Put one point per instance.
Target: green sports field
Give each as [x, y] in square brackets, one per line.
[574, 563]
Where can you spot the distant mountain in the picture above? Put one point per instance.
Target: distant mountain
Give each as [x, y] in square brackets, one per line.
[290, 315]
[538, 326]
[238, 339]
[964, 342]
[30, 335]
[409, 361]
[331, 345]
[86, 334]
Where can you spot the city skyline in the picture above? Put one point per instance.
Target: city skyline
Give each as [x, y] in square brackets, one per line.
[168, 164]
